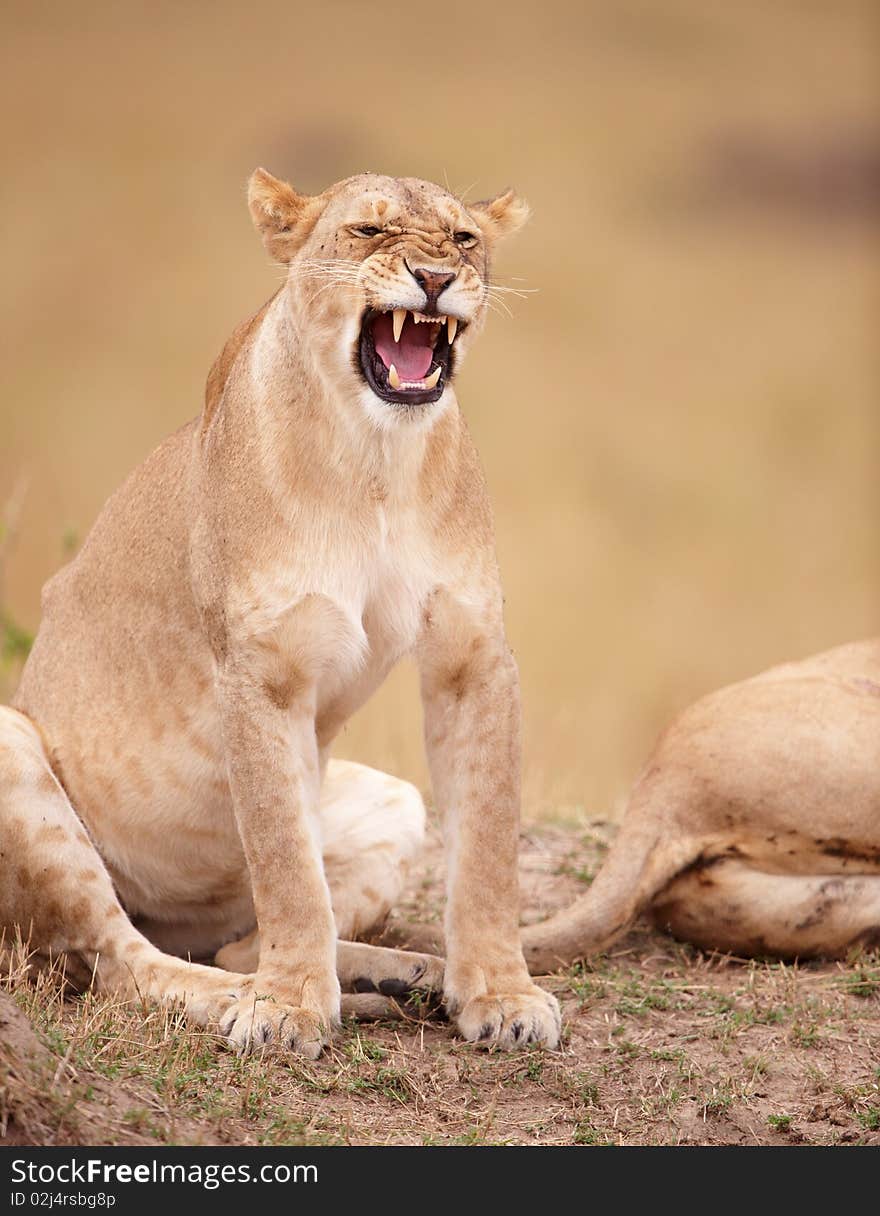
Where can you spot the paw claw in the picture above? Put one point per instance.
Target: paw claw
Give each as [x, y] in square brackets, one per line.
[250, 1024]
[512, 1020]
[394, 988]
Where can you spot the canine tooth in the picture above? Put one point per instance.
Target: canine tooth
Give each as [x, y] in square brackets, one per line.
[397, 323]
[393, 378]
[451, 329]
[431, 381]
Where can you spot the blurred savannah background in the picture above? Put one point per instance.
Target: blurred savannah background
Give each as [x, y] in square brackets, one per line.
[679, 420]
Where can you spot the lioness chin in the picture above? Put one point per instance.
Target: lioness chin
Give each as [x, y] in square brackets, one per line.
[165, 789]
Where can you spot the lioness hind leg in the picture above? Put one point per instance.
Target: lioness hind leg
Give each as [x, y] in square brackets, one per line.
[359, 966]
[56, 893]
[730, 906]
[372, 827]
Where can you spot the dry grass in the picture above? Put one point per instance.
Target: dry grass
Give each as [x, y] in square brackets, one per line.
[662, 1045]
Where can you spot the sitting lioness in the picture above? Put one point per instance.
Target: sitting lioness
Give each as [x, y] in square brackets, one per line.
[164, 782]
[755, 827]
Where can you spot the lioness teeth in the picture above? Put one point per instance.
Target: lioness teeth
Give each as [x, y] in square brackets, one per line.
[429, 382]
[451, 329]
[398, 320]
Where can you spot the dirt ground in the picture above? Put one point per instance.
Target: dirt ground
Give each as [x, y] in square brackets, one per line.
[663, 1044]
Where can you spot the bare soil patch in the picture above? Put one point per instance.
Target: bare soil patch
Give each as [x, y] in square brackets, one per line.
[663, 1044]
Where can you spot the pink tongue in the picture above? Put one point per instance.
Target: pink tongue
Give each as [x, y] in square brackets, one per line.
[412, 355]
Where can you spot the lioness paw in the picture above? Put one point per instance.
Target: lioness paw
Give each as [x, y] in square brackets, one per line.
[206, 1007]
[253, 1022]
[423, 975]
[512, 1020]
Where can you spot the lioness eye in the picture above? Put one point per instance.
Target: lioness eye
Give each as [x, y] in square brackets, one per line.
[367, 230]
[464, 238]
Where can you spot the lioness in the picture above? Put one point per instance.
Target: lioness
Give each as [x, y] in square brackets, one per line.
[164, 783]
[755, 827]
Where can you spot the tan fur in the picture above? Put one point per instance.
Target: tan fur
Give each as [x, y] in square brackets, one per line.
[755, 827]
[240, 596]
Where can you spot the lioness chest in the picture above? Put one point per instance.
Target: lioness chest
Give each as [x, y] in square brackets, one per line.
[348, 603]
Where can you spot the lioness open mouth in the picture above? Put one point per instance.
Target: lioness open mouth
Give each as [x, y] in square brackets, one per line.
[406, 357]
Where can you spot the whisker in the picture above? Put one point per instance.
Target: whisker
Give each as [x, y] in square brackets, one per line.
[521, 292]
[321, 263]
[491, 298]
[325, 287]
[493, 307]
[498, 306]
[323, 278]
[305, 268]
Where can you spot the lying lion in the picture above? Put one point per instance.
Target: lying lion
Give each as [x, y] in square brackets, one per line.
[164, 780]
[755, 827]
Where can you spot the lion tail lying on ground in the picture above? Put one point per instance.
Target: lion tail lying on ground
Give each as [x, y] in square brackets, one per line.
[645, 859]
[641, 862]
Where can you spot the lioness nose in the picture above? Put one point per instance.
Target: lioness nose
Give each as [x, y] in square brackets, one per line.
[432, 282]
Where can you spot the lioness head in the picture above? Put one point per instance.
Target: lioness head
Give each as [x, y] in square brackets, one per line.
[388, 278]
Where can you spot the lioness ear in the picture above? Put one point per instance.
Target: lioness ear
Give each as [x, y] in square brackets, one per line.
[282, 217]
[500, 216]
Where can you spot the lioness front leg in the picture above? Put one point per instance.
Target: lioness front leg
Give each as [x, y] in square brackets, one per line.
[470, 689]
[268, 713]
